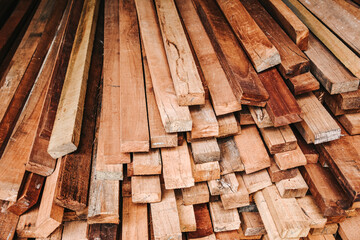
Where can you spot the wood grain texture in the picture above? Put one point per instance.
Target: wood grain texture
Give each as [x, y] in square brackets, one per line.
[295, 187]
[312, 211]
[351, 122]
[66, 132]
[238, 198]
[303, 83]
[175, 118]
[256, 181]
[240, 73]
[318, 125]
[186, 214]
[223, 101]
[75, 230]
[261, 51]
[8, 221]
[277, 175]
[338, 48]
[134, 135]
[195, 195]
[261, 117]
[252, 224]
[205, 150]
[290, 159]
[308, 150]
[223, 220]
[203, 223]
[228, 125]
[293, 60]
[205, 171]
[226, 184]
[103, 231]
[280, 139]
[230, 160]
[135, 220]
[349, 100]
[349, 229]
[147, 163]
[145, 189]
[245, 117]
[26, 227]
[329, 229]
[328, 70]
[291, 24]
[187, 83]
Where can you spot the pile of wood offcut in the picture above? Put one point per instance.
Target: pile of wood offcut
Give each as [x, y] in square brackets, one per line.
[180, 119]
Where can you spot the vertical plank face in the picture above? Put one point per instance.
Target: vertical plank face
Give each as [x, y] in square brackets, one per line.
[175, 118]
[134, 135]
[8, 221]
[224, 220]
[135, 221]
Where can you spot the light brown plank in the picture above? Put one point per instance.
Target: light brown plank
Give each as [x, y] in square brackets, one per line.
[196, 195]
[205, 171]
[290, 159]
[135, 220]
[351, 122]
[8, 221]
[230, 160]
[280, 139]
[226, 184]
[276, 174]
[295, 187]
[238, 198]
[205, 150]
[312, 211]
[75, 230]
[186, 214]
[228, 125]
[252, 224]
[223, 220]
[147, 163]
[256, 181]
[145, 189]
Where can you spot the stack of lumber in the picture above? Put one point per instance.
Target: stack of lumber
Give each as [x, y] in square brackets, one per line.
[180, 119]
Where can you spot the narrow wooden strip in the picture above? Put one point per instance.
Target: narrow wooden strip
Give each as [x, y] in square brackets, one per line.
[290, 159]
[203, 223]
[66, 132]
[228, 125]
[293, 60]
[175, 118]
[222, 96]
[245, 117]
[26, 227]
[330, 228]
[339, 49]
[351, 122]
[303, 83]
[147, 163]
[205, 151]
[349, 100]
[135, 220]
[253, 153]
[280, 139]
[205, 171]
[256, 181]
[292, 187]
[8, 221]
[230, 160]
[223, 220]
[261, 117]
[238, 198]
[252, 224]
[103, 231]
[145, 189]
[241, 75]
[262, 53]
[312, 211]
[186, 214]
[277, 175]
[75, 230]
[318, 126]
[308, 150]
[195, 195]
[334, 105]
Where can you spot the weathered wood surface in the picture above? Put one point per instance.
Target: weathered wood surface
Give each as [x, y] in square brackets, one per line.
[303, 83]
[205, 171]
[8, 221]
[349, 229]
[256, 181]
[276, 174]
[228, 125]
[261, 52]
[103, 231]
[226, 184]
[206, 150]
[308, 150]
[203, 223]
[261, 117]
[196, 195]
[230, 160]
[241, 75]
[147, 163]
[135, 220]
[252, 224]
[175, 118]
[330, 228]
[75, 230]
[280, 139]
[351, 122]
[238, 198]
[222, 96]
[312, 211]
[26, 225]
[295, 187]
[223, 220]
[145, 189]
[186, 214]
[290, 159]
[245, 117]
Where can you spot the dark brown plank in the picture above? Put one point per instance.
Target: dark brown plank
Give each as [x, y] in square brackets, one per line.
[103, 231]
[203, 222]
[303, 83]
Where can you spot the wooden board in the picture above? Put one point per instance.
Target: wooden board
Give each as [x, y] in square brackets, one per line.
[318, 126]
[351, 122]
[145, 189]
[244, 117]
[8, 221]
[238, 198]
[135, 220]
[308, 150]
[222, 96]
[203, 223]
[312, 211]
[343, 158]
[175, 118]
[75, 230]
[205, 171]
[349, 100]
[293, 60]
[261, 117]
[147, 163]
[103, 231]
[303, 83]
[177, 167]
[334, 106]
[223, 220]
[186, 214]
[349, 229]
[277, 175]
[241, 75]
[65, 136]
[195, 195]
[165, 217]
[187, 83]
[230, 160]
[295, 187]
[134, 135]
[228, 125]
[206, 150]
[252, 224]
[328, 195]
[338, 48]
[256, 181]
[335, 79]
[253, 153]
[279, 139]
[226, 184]
[26, 225]
[291, 24]
[261, 51]
[330, 228]
[290, 159]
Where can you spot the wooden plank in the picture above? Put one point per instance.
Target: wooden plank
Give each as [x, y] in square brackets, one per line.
[175, 118]
[242, 77]
[222, 96]
[19, 76]
[261, 117]
[204, 120]
[292, 187]
[56, 235]
[223, 220]
[349, 100]
[177, 167]
[344, 24]
[134, 135]
[330, 228]
[226, 184]
[279, 139]
[327, 192]
[40, 161]
[320, 237]
[203, 223]
[26, 227]
[256, 181]
[289, 219]
[318, 126]
[147, 163]
[281, 107]
[75, 230]
[261, 52]
[135, 220]
[349, 229]
[334, 106]
[253, 153]
[252, 224]
[335, 79]
[303, 83]
[206, 150]
[165, 217]
[277, 175]
[230, 160]
[28, 195]
[195, 195]
[145, 189]
[290, 159]
[187, 83]
[66, 132]
[228, 125]
[308, 150]
[245, 117]
[233, 235]
[293, 60]
[291, 24]
[343, 158]
[8, 221]
[205, 171]
[312, 211]
[103, 231]
[351, 122]
[50, 215]
[338, 48]
[186, 214]
[238, 198]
